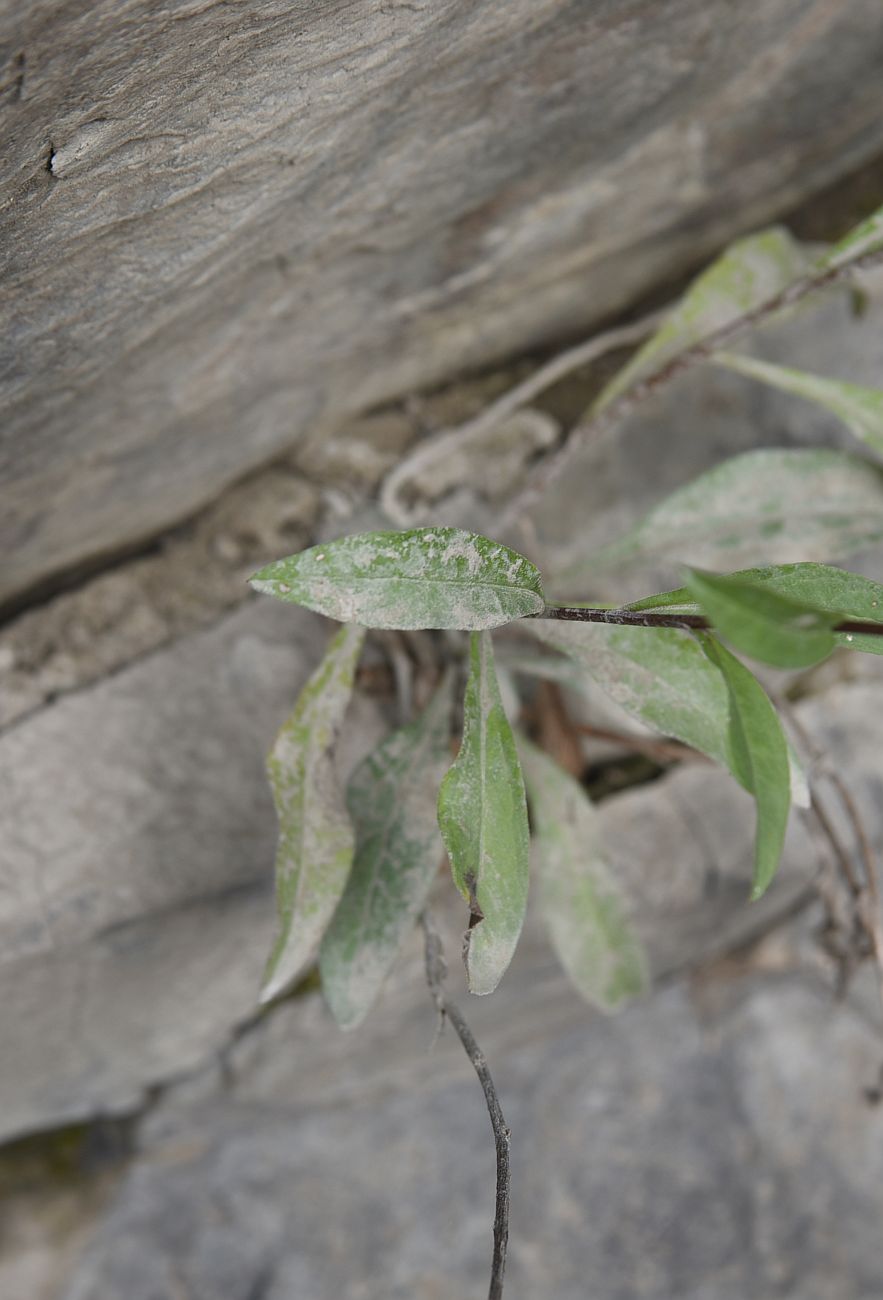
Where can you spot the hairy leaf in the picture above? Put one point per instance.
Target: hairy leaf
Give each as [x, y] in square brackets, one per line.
[749, 273]
[419, 578]
[482, 813]
[860, 409]
[758, 507]
[584, 911]
[820, 585]
[761, 756]
[391, 799]
[660, 676]
[866, 237]
[762, 623]
[315, 837]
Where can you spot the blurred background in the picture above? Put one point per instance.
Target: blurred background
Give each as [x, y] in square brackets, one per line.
[254, 256]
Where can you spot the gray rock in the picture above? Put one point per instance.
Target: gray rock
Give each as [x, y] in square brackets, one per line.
[663, 1153]
[223, 227]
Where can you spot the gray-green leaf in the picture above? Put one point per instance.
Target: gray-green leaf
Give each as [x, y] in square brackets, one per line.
[762, 623]
[482, 813]
[391, 799]
[584, 910]
[315, 837]
[860, 409]
[757, 507]
[761, 756]
[419, 578]
[749, 273]
[818, 585]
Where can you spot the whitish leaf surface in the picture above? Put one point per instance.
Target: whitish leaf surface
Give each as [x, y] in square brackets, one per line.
[761, 754]
[659, 675]
[482, 813]
[584, 910]
[419, 578]
[866, 237]
[769, 627]
[315, 836]
[763, 506]
[819, 585]
[860, 409]
[748, 274]
[392, 802]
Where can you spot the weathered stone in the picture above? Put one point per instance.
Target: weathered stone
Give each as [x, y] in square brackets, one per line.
[662, 1153]
[224, 226]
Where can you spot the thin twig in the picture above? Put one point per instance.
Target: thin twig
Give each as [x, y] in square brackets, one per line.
[646, 618]
[596, 425]
[436, 970]
[446, 444]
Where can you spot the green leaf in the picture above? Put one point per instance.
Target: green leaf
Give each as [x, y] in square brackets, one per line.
[584, 910]
[315, 837]
[761, 756]
[749, 273]
[761, 623]
[820, 585]
[482, 813]
[419, 578]
[866, 237]
[658, 675]
[758, 507]
[391, 799]
[860, 409]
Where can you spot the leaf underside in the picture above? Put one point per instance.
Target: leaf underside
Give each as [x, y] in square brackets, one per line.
[315, 846]
[391, 799]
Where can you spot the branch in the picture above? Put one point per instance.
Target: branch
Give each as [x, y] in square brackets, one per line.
[644, 618]
[549, 469]
[436, 970]
[451, 441]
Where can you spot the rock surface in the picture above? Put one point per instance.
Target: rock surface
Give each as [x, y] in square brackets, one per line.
[223, 225]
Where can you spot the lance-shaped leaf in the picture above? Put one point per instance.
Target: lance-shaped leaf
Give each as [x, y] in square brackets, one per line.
[391, 798]
[761, 623]
[864, 238]
[482, 813]
[760, 754]
[749, 273]
[860, 409]
[818, 585]
[584, 910]
[418, 578]
[662, 677]
[761, 506]
[315, 837]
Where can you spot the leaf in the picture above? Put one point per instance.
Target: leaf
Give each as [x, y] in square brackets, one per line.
[762, 623]
[820, 585]
[482, 813]
[757, 507]
[860, 409]
[391, 798]
[866, 237]
[660, 676]
[419, 578]
[584, 911]
[749, 273]
[315, 837]
[761, 756]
